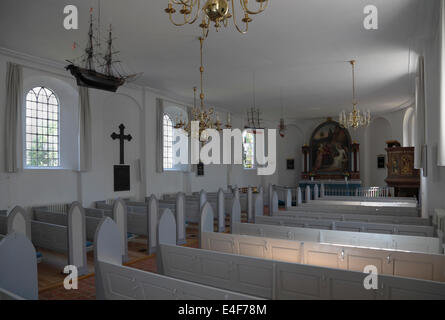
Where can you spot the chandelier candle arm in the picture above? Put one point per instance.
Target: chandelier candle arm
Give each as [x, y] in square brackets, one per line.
[355, 118]
[217, 11]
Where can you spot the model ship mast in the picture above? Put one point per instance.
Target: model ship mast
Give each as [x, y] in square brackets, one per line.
[88, 76]
[253, 118]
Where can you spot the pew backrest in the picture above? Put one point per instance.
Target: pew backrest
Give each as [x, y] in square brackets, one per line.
[395, 263]
[272, 279]
[114, 281]
[361, 239]
[17, 220]
[77, 237]
[120, 218]
[18, 268]
[355, 217]
[328, 224]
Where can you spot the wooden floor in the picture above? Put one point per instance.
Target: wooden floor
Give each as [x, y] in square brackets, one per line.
[51, 278]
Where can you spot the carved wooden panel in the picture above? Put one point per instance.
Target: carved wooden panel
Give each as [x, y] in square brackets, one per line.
[401, 172]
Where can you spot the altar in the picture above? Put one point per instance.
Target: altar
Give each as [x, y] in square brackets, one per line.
[331, 159]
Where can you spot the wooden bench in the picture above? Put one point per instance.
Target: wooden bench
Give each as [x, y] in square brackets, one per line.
[388, 262]
[62, 233]
[17, 220]
[117, 282]
[355, 226]
[18, 268]
[272, 279]
[319, 207]
[354, 217]
[142, 219]
[363, 239]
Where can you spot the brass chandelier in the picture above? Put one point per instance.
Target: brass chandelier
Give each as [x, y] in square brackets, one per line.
[213, 11]
[355, 118]
[208, 119]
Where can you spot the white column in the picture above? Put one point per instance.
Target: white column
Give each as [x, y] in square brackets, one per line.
[221, 211]
[270, 195]
[299, 197]
[316, 192]
[288, 198]
[322, 191]
[250, 217]
[308, 193]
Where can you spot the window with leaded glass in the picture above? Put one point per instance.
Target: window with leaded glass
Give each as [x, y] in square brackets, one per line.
[168, 142]
[42, 148]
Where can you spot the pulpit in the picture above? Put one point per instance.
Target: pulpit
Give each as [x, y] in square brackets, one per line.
[401, 173]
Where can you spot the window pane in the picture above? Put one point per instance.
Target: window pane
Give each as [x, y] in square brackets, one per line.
[42, 128]
[168, 143]
[248, 149]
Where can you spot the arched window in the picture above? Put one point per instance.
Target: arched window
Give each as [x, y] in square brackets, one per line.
[168, 142]
[248, 149]
[42, 149]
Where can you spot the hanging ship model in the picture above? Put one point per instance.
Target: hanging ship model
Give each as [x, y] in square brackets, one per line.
[96, 70]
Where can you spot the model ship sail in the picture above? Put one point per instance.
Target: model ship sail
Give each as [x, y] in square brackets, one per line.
[97, 71]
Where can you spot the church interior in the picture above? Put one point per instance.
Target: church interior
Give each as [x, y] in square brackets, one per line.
[222, 150]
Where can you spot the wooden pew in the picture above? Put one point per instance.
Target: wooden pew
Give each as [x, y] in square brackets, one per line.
[18, 268]
[62, 233]
[179, 213]
[141, 219]
[136, 217]
[193, 204]
[355, 217]
[388, 262]
[93, 217]
[117, 282]
[412, 201]
[353, 203]
[357, 209]
[361, 239]
[272, 279]
[328, 224]
[17, 220]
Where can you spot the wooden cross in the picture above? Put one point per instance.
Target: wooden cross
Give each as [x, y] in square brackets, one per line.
[122, 137]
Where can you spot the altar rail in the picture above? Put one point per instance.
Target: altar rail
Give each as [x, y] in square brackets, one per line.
[381, 193]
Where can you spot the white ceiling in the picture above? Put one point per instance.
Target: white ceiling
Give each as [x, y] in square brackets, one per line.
[300, 46]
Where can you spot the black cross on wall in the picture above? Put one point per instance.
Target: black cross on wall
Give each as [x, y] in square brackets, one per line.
[122, 137]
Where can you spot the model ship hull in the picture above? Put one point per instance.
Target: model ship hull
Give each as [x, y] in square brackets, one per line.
[93, 79]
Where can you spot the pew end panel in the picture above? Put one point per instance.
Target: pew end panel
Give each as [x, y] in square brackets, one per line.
[120, 215]
[18, 268]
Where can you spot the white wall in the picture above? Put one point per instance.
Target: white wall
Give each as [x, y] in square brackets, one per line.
[379, 133]
[434, 184]
[133, 106]
[136, 108]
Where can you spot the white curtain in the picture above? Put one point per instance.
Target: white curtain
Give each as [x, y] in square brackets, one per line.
[159, 135]
[14, 92]
[85, 134]
[441, 149]
[420, 147]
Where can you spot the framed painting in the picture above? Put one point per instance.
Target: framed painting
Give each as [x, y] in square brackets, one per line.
[330, 149]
